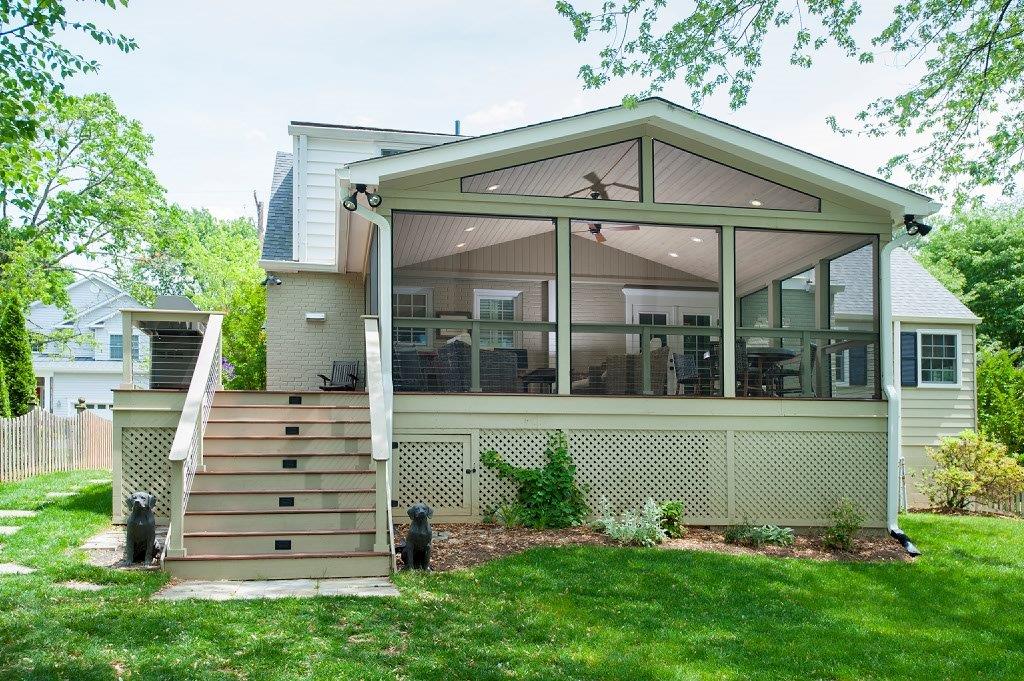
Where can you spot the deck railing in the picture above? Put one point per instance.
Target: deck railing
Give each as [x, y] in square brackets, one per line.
[378, 387]
[186, 454]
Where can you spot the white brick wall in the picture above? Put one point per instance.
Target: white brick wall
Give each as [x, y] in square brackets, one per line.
[298, 350]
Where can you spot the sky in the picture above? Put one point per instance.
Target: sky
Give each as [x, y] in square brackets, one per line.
[216, 82]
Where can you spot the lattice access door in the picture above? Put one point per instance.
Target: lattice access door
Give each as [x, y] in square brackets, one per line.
[436, 468]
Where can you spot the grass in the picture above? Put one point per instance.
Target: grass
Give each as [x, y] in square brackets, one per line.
[591, 612]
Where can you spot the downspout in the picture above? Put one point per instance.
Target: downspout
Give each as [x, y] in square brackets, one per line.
[892, 393]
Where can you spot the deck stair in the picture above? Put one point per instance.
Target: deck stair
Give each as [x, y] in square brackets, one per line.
[287, 491]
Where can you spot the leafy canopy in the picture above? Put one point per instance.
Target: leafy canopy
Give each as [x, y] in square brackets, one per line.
[969, 103]
[1001, 398]
[33, 63]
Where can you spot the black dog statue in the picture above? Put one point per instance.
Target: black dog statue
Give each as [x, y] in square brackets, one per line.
[140, 542]
[416, 551]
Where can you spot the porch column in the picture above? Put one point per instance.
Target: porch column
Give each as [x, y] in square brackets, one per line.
[563, 300]
[822, 304]
[127, 325]
[728, 311]
[775, 309]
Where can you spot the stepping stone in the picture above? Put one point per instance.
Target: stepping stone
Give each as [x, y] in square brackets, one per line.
[358, 586]
[17, 514]
[82, 586]
[14, 569]
[60, 495]
[8, 530]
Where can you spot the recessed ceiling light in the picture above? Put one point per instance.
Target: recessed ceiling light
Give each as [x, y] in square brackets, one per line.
[493, 187]
[696, 240]
[755, 203]
[674, 255]
[460, 245]
[470, 229]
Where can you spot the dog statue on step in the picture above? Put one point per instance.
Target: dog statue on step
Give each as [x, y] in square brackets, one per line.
[416, 550]
[140, 530]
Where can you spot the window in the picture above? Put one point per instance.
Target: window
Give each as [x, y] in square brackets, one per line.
[412, 302]
[117, 346]
[498, 305]
[939, 358]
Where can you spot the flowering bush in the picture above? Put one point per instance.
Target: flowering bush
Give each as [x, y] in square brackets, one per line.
[968, 469]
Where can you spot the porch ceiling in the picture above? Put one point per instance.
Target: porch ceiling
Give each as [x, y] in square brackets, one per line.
[420, 237]
[763, 255]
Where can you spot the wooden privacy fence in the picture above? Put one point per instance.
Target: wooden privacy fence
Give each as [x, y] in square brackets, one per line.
[42, 442]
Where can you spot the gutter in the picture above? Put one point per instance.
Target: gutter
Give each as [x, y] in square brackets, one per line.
[893, 395]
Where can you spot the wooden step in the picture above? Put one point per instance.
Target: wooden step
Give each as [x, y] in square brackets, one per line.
[290, 413]
[264, 428]
[255, 481]
[226, 463]
[279, 520]
[225, 398]
[248, 543]
[317, 565]
[286, 444]
[270, 500]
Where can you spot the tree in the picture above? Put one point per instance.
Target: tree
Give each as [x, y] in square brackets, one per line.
[33, 63]
[1001, 398]
[5, 400]
[91, 196]
[216, 264]
[969, 103]
[16, 355]
[984, 249]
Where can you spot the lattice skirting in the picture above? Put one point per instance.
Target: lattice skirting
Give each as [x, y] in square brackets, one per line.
[145, 465]
[722, 477]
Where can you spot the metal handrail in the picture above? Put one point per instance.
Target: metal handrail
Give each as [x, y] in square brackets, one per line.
[186, 455]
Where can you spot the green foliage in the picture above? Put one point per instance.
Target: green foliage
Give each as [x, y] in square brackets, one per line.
[1000, 381]
[511, 515]
[632, 529]
[967, 103]
[548, 496]
[215, 263]
[5, 400]
[845, 522]
[672, 519]
[968, 469]
[984, 248]
[90, 197]
[33, 63]
[16, 355]
[759, 535]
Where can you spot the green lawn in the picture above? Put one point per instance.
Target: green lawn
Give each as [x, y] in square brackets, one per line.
[567, 613]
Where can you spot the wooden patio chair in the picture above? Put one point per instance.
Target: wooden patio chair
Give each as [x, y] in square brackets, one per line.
[344, 375]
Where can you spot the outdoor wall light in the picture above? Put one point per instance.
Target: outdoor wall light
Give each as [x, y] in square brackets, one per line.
[352, 202]
[271, 280]
[374, 199]
[914, 227]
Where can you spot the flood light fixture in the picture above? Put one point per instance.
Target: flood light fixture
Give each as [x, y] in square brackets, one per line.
[352, 202]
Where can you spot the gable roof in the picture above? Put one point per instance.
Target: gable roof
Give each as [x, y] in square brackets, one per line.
[277, 238]
[660, 113]
[916, 294]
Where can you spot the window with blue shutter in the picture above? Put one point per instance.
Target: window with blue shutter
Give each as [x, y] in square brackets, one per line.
[859, 365]
[908, 358]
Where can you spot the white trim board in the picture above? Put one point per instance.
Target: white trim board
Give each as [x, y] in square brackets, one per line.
[958, 362]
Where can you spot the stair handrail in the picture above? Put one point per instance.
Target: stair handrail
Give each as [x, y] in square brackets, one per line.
[186, 455]
[378, 388]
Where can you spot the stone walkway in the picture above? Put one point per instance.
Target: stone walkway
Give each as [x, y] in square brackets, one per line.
[14, 569]
[8, 530]
[276, 588]
[106, 549]
[17, 514]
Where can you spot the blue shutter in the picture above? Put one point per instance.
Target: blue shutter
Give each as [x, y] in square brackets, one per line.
[908, 358]
[859, 365]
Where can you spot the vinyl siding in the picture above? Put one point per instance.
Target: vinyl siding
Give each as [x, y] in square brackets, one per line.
[930, 414]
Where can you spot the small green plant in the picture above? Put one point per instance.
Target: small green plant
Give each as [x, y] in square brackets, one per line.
[548, 496]
[632, 529]
[971, 468]
[672, 519]
[845, 522]
[511, 515]
[759, 535]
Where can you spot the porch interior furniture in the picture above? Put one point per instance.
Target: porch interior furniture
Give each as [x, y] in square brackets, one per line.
[344, 375]
[499, 368]
[788, 366]
[544, 377]
[687, 374]
[408, 370]
[623, 374]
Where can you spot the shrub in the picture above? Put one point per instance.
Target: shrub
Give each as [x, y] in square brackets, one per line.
[1001, 398]
[846, 521]
[548, 496]
[16, 354]
[759, 535]
[632, 529]
[510, 515]
[672, 519]
[970, 468]
[5, 401]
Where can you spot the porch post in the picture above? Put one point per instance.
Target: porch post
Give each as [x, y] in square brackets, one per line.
[822, 305]
[775, 309]
[563, 300]
[127, 326]
[728, 311]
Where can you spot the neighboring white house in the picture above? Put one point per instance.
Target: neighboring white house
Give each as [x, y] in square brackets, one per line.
[89, 367]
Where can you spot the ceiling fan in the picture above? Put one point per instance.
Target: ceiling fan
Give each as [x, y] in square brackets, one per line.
[598, 188]
[596, 229]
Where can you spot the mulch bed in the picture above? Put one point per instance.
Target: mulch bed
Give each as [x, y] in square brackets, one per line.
[467, 545]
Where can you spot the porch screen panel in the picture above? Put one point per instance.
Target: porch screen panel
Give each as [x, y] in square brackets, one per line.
[684, 177]
[817, 339]
[481, 286]
[646, 310]
[610, 172]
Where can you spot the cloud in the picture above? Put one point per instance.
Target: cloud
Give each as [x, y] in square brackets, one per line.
[500, 116]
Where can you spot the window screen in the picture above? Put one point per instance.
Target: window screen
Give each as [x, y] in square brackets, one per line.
[938, 358]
